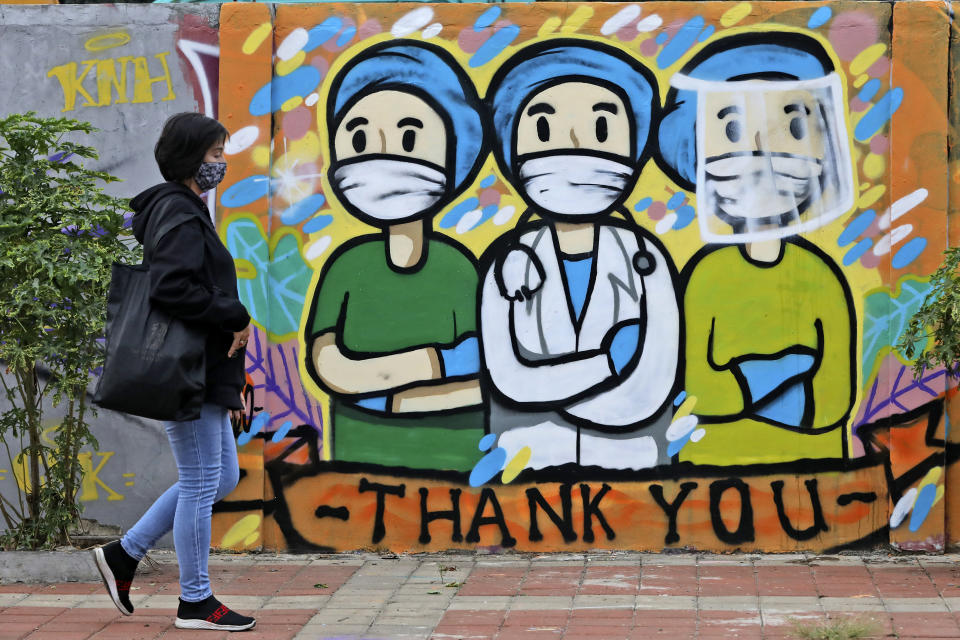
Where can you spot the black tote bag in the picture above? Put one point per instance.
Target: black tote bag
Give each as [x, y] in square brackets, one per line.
[155, 365]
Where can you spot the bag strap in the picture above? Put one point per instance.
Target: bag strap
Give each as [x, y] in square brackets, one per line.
[164, 224]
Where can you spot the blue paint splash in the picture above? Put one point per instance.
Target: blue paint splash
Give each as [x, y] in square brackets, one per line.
[877, 117]
[685, 216]
[317, 224]
[676, 200]
[705, 35]
[346, 36]
[259, 422]
[922, 506]
[855, 228]
[858, 250]
[869, 90]
[820, 17]
[453, 216]
[486, 19]
[303, 209]
[908, 253]
[487, 441]
[488, 212]
[675, 446]
[248, 190]
[282, 432]
[322, 32]
[643, 205]
[489, 466]
[680, 398]
[271, 96]
[488, 181]
[681, 42]
[495, 45]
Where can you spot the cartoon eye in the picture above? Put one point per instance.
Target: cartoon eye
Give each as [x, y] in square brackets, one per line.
[798, 128]
[409, 140]
[359, 141]
[734, 131]
[543, 129]
[601, 129]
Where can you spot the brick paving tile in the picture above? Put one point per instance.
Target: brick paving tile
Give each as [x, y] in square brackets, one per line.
[527, 634]
[565, 596]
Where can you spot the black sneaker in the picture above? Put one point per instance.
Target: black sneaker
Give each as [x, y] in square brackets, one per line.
[116, 568]
[210, 614]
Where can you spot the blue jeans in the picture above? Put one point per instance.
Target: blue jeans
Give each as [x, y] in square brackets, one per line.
[206, 457]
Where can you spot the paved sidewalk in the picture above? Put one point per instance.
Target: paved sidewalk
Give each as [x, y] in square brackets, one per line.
[609, 596]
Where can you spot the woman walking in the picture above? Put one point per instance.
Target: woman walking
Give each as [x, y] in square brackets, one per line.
[192, 277]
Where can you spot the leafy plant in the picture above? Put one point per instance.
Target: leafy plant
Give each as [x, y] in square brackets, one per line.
[59, 235]
[932, 336]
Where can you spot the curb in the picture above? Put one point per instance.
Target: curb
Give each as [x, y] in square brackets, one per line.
[47, 566]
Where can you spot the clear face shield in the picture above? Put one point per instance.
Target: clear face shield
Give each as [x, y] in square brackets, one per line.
[773, 157]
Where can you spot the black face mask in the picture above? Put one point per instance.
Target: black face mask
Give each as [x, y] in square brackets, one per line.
[210, 174]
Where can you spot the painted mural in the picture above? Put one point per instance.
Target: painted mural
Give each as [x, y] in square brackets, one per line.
[568, 276]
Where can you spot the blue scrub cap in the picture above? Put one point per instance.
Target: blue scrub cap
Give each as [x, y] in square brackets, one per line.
[783, 55]
[538, 66]
[432, 74]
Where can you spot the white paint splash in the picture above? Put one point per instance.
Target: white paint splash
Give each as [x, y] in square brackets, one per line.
[620, 19]
[666, 223]
[904, 506]
[412, 22]
[504, 215]
[883, 245]
[241, 140]
[316, 249]
[651, 22]
[901, 207]
[469, 220]
[292, 44]
[432, 31]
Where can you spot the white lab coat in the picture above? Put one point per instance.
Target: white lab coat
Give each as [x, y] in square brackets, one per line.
[520, 338]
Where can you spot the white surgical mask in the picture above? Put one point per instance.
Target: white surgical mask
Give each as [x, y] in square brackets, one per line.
[574, 184]
[389, 189]
[753, 186]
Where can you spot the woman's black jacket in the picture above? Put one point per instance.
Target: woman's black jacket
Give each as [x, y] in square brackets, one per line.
[192, 277]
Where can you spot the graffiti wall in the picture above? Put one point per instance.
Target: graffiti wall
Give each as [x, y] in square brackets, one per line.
[551, 276]
[567, 276]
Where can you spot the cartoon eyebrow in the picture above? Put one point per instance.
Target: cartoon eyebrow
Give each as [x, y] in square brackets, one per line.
[356, 122]
[728, 110]
[410, 122]
[797, 106]
[541, 107]
[606, 106]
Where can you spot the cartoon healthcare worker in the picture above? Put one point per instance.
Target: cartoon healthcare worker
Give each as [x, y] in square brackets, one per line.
[391, 331]
[579, 313]
[756, 122]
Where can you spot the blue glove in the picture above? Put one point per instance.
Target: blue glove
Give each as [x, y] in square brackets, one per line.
[624, 346]
[462, 359]
[376, 403]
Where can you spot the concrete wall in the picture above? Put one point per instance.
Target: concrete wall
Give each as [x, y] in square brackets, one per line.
[62, 60]
[422, 374]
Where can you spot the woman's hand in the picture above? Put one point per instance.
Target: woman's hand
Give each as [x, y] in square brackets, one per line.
[239, 341]
[236, 415]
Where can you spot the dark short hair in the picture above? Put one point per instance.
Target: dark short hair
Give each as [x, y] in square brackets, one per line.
[184, 141]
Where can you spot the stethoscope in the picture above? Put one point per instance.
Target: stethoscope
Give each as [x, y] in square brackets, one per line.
[644, 262]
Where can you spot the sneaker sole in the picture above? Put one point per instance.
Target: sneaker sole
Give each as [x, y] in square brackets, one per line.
[180, 623]
[108, 580]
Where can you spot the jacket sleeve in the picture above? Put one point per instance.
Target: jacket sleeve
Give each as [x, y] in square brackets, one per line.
[177, 287]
